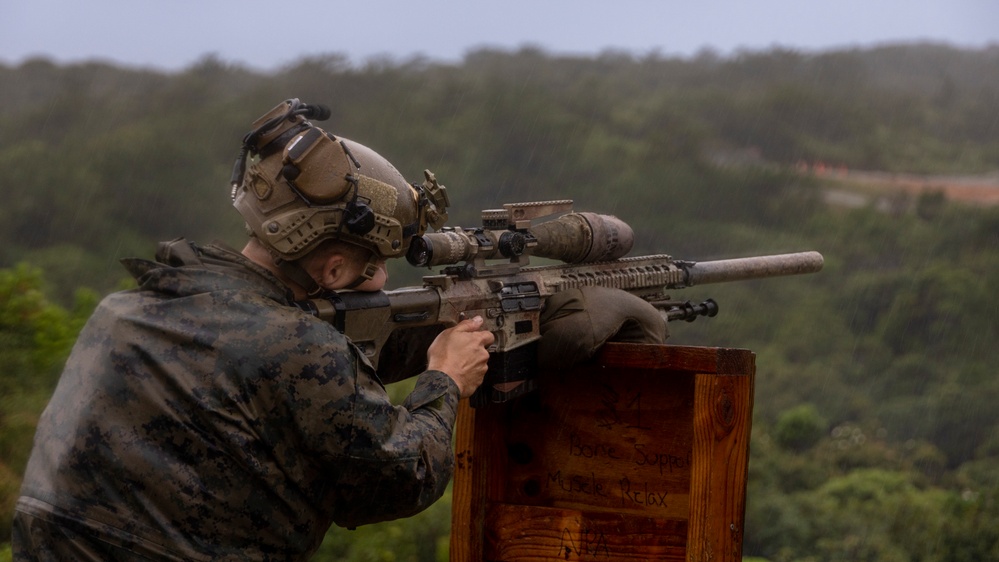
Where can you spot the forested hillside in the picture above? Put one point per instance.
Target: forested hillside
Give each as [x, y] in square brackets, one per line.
[876, 431]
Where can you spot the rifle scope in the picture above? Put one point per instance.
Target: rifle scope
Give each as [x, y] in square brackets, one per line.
[571, 238]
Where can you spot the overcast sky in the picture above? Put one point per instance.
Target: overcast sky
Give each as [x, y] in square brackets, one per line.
[173, 34]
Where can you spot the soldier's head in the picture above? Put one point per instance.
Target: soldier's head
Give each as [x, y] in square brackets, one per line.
[304, 192]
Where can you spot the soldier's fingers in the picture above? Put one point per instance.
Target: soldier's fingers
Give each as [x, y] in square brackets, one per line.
[487, 338]
[469, 325]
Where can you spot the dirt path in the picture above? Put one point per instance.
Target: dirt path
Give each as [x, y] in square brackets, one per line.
[975, 190]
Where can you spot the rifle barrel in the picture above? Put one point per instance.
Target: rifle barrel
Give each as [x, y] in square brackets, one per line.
[739, 269]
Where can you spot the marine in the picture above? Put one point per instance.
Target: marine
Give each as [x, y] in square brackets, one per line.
[202, 416]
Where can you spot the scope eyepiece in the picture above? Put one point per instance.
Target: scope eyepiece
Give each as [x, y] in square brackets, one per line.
[420, 253]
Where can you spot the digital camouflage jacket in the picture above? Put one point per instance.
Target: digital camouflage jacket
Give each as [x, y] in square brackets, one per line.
[202, 417]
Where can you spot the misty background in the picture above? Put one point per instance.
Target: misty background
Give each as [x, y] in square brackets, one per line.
[171, 35]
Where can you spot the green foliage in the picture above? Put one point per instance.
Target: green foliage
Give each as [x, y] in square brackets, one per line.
[861, 531]
[799, 428]
[35, 335]
[875, 431]
[35, 338]
[925, 309]
[421, 538]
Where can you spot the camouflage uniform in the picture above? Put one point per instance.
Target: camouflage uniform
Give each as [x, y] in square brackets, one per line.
[202, 417]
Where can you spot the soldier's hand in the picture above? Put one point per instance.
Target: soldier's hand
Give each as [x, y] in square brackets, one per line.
[460, 352]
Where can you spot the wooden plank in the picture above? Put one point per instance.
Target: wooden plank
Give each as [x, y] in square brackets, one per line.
[603, 439]
[467, 497]
[674, 358]
[722, 424]
[535, 534]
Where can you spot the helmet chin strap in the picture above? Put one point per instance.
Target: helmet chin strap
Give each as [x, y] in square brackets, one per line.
[367, 274]
[293, 270]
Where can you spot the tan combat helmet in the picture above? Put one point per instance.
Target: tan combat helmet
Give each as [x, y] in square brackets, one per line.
[297, 186]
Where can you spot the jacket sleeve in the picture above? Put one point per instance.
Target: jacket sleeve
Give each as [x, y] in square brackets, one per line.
[400, 458]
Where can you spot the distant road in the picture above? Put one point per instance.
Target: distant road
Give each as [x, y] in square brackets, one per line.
[859, 186]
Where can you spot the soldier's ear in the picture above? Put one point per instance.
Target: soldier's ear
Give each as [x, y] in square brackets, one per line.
[334, 268]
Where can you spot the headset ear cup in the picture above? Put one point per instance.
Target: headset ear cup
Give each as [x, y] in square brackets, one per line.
[360, 217]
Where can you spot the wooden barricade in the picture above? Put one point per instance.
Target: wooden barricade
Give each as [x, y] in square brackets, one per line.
[640, 454]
